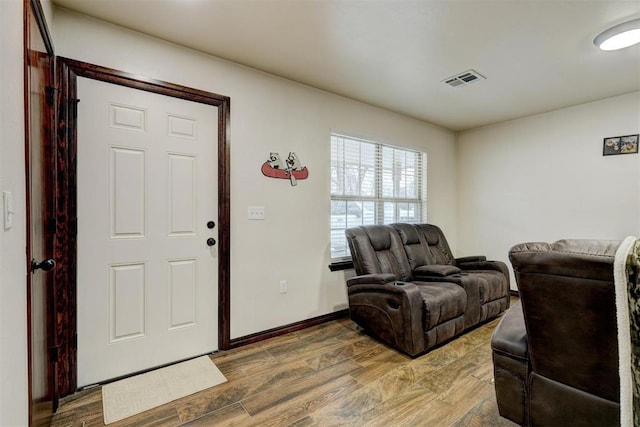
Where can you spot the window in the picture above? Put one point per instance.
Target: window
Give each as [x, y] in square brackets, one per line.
[372, 183]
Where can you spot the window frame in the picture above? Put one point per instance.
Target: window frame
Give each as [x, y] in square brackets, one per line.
[379, 199]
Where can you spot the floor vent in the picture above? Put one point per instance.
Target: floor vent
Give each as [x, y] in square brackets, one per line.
[463, 79]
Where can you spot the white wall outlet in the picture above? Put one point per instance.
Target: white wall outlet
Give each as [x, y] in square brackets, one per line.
[283, 287]
[255, 213]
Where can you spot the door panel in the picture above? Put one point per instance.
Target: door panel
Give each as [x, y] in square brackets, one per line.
[147, 186]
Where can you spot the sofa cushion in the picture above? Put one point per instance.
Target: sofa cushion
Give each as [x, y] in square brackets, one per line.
[380, 239]
[377, 249]
[442, 302]
[415, 246]
[437, 243]
[493, 284]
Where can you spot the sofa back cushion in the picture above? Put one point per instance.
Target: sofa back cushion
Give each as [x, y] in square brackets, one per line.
[415, 246]
[438, 246]
[378, 249]
[568, 299]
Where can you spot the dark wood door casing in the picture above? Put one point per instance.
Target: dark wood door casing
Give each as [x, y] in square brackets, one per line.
[39, 114]
[67, 72]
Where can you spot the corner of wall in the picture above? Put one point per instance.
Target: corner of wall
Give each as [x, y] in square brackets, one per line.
[13, 308]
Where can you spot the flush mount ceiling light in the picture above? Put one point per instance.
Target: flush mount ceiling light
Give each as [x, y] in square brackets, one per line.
[618, 37]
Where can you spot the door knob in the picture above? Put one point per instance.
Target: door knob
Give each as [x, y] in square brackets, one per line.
[46, 265]
[211, 241]
[211, 224]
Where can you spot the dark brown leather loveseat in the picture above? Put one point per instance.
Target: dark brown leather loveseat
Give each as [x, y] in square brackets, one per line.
[411, 293]
[555, 352]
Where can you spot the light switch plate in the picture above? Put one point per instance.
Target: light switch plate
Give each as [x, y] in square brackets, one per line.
[256, 213]
[8, 212]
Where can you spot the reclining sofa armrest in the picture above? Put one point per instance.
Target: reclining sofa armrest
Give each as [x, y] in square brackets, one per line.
[475, 258]
[489, 265]
[393, 312]
[485, 265]
[372, 279]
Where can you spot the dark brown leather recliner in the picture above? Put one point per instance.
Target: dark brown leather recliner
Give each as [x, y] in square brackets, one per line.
[402, 296]
[556, 354]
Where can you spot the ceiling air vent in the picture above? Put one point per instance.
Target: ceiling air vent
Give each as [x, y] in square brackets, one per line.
[463, 79]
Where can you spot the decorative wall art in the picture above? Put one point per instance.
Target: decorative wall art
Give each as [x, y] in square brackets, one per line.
[627, 144]
[290, 168]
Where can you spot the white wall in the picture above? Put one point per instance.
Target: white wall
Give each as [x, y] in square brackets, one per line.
[13, 302]
[272, 114]
[543, 178]
[538, 178]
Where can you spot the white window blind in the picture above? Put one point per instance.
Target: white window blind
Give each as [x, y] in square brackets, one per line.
[372, 183]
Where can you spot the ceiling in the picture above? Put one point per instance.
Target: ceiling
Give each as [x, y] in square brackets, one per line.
[536, 55]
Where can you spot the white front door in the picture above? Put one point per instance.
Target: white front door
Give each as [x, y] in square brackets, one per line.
[147, 211]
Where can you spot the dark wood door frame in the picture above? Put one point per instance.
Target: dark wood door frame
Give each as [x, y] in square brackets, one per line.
[66, 191]
[38, 145]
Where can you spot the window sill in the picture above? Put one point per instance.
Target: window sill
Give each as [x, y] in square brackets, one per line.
[341, 265]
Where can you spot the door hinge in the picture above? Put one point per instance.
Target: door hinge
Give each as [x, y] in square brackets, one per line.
[74, 107]
[50, 92]
[54, 354]
[52, 226]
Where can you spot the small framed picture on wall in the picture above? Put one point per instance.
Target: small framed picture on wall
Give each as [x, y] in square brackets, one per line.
[627, 144]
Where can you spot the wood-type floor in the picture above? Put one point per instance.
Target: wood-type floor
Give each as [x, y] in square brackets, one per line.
[328, 375]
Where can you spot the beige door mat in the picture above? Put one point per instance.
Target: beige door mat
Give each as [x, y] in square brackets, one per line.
[140, 393]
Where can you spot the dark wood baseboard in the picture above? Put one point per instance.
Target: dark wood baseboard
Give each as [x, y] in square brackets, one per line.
[303, 324]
